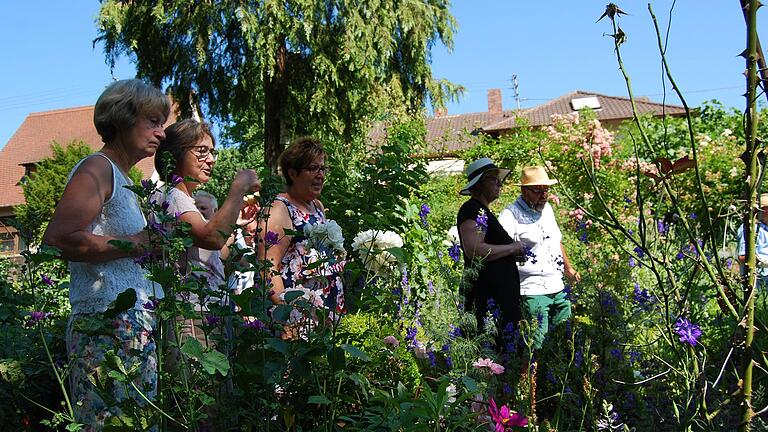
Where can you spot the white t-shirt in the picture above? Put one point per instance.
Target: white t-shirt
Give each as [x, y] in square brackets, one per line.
[542, 272]
[210, 260]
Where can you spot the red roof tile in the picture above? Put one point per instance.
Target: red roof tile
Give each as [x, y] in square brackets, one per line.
[32, 142]
[611, 108]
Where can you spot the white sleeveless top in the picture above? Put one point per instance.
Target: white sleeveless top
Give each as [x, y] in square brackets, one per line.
[94, 286]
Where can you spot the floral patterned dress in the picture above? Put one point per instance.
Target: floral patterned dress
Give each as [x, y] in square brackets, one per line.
[322, 283]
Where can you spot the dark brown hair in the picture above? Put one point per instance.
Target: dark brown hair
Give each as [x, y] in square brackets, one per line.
[180, 136]
[299, 154]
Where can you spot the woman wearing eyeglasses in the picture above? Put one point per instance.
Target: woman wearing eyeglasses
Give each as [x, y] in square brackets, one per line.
[185, 160]
[488, 248]
[303, 168]
[94, 210]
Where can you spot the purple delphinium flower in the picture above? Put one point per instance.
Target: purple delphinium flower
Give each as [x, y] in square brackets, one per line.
[578, 358]
[689, 333]
[639, 251]
[632, 262]
[454, 252]
[144, 258]
[481, 221]
[616, 353]
[158, 228]
[431, 287]
[662, 227]
[165, 205]
[493, 309]
[212, 320]
[176, 179]
[692, 216]
[46, 280]
[410, 335]
[454, 331]
[680, 255]
[608, 303]
[35, 317]
[448, 361]
[432, 359]
[641, 296]
[151, 304]
[147, 184]
[634, 356]
[423, 214]
[254, 325]
[627, 199]
[271, 238]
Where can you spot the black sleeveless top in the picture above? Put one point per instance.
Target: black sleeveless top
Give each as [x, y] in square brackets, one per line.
[497, 280]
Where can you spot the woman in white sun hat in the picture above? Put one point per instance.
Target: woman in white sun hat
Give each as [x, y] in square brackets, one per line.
[496, 290]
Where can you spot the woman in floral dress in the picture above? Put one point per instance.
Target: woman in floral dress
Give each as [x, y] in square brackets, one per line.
[95, 209]
[292, 256]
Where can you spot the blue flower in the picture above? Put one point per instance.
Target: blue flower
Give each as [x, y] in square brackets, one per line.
[423, 214]
[46, 280]
[454, 331]
[616, 353]
[271, 238]
[632, 261]
[432, 359]
[449, 361]
[689, 333]
[481, 221]
[662, 227]
[608, 303]
[454, 252]
[639, 251]
[680, 255]
[692, 216]
[176, 179]
[642, 297]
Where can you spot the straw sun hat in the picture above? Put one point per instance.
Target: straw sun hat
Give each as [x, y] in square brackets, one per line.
[535, 176]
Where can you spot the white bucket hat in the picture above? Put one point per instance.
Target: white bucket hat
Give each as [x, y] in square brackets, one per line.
[475, 172]
[535, 176]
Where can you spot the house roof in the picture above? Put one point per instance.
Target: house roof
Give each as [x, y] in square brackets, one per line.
[611, 108]
[32, 142]
[448, 134]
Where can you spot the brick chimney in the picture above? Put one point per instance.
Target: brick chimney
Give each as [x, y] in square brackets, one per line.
[494, 102]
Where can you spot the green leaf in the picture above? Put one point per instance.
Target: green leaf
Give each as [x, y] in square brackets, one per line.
[214, 361]
[355, 352]
[282, 312]
[336, 358]
[290, 296]
[192, 348]
[397, 252]
[278, 345]
[124, 301]
[122, 245]
[319, 400]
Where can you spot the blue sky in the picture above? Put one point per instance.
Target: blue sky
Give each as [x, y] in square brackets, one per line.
[554, 47]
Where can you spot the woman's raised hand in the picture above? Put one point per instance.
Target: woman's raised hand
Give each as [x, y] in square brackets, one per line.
[246, 181]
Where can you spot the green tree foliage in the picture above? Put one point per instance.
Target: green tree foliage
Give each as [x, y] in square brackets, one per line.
[271, 70]
[44, 186]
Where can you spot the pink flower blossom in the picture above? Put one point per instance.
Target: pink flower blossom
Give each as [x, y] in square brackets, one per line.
[506, 419]
[486, 363]
[554, 198]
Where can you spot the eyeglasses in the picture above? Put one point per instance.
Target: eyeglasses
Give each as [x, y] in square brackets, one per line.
[495, 179]
[202, 153]
[538, 191]
[314, 169]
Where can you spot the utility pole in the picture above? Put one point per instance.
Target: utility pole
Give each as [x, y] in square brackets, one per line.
[516, 89]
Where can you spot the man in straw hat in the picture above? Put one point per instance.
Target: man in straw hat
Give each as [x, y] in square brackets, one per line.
[761, 243]
[530, 219]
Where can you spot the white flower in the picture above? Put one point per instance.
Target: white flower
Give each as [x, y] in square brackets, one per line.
[328, 234]
[726, 133]
[372, 245]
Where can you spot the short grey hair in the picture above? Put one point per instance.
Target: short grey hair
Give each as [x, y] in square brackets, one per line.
[204, 194]
[122, 102]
